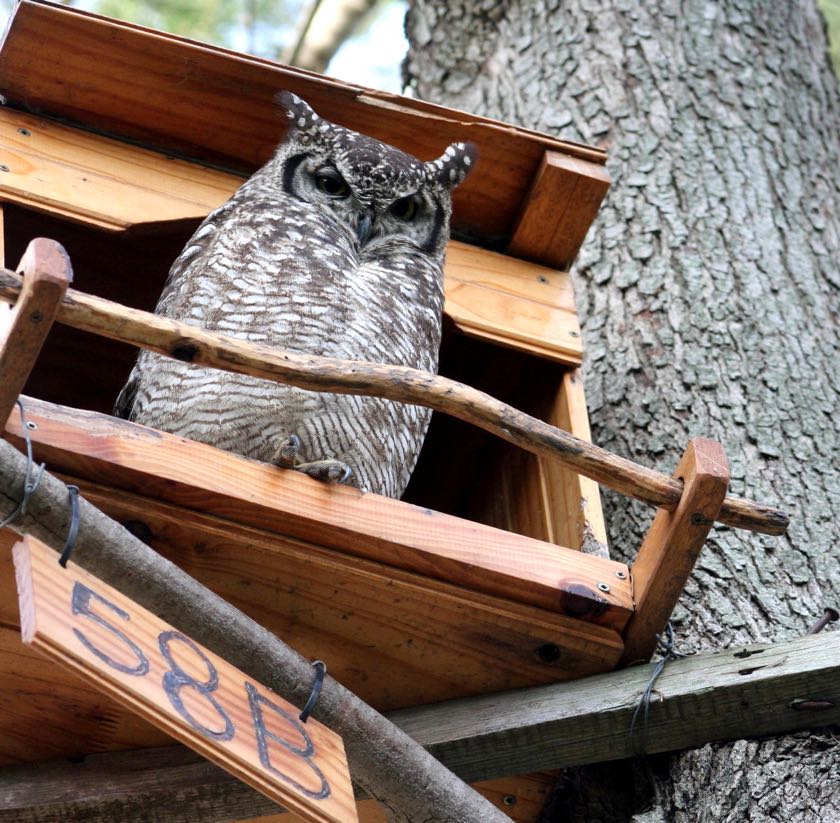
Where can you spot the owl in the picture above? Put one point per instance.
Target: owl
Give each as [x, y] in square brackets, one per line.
[335, 247]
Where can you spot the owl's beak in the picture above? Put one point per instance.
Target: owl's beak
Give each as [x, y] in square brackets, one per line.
[364, 226]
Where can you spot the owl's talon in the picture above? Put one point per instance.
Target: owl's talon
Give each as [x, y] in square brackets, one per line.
[333, 471]
[287, 452]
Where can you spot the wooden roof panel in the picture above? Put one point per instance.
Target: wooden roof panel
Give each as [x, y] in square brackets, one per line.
[217, 106]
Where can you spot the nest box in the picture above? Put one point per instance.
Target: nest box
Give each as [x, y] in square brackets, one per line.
[117, 147]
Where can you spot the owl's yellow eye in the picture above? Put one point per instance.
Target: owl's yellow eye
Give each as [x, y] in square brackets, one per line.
[332, 184]
[404, 209]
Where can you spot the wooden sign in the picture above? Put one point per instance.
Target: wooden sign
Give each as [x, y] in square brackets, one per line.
[170, 680]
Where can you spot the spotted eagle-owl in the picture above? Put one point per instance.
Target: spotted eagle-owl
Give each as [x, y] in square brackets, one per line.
[335, 247]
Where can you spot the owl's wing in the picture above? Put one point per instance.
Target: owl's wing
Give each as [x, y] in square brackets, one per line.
[125, 401]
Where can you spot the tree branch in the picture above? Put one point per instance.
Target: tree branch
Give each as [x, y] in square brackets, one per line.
[385, 761]
[201, 347]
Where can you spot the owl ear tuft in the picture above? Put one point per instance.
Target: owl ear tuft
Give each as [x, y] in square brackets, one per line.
[299, 112]
[453, 165]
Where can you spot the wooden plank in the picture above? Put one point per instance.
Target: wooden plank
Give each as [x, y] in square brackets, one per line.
[178, 786]
[673, 543]
[476, 557]
[739, 693]
[729, 695]
[214, 105]
[561, 205]
[573, 501]
[200, 699]
[101, 181]
[394, 638]
[525, 306]
[46, 275]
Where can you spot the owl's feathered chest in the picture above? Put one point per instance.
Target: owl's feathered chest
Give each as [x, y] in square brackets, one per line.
[269, 269]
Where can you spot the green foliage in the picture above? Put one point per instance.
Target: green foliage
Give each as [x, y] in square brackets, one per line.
[831, 11]
[257, 26]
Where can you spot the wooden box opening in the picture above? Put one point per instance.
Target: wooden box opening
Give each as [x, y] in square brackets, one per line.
[462, 470]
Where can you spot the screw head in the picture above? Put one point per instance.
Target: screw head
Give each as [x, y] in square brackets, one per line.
[24, 132]
[621, 575]
[604, 587]
[4, 167]
[509, 800]
[541, 278]
[31, 425]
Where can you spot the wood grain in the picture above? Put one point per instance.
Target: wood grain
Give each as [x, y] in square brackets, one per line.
[215, 105]
[728, 695]
[564, 198]
[672, 545]
[734, 694]
[177, 785]
[101, 181]
[316, 786]
[202, 347]
[47, 273]
[518, 304]
[199, 477]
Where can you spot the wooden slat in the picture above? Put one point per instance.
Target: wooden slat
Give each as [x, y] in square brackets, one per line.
[47, 274]
[573, 501]
[108, 639]
[175, 784]
[561, 205]
[741, 692]
[476, 557]
[673, 543]
[519, 304]
[101, 181]
[212, 104]
[728, 695]
[393, 637]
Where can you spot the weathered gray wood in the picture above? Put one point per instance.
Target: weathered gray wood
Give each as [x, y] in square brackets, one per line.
[742, 692]
[172, 783]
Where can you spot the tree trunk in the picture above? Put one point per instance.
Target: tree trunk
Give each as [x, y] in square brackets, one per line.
[709, 291]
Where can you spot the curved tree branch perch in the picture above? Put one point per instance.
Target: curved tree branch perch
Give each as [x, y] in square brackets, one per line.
[201, 347]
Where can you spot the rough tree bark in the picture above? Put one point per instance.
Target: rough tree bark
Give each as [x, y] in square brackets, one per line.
[709, 292]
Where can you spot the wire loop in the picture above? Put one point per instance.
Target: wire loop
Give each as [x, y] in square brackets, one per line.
[320, 673]
[29, 484]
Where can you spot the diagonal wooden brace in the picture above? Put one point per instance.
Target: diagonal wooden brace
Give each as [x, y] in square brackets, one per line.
[672, 545]
[46, 272]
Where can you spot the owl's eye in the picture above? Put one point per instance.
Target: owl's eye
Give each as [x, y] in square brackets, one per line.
[332, 183]
[404, 209]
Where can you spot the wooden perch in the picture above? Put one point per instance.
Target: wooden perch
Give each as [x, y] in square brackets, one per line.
[387, 763]
[195, 345]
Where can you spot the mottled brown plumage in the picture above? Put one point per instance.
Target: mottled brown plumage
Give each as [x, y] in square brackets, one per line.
[335, 247]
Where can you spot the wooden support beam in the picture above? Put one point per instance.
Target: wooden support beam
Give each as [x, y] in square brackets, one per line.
[757, 690]
[405, 385]
[672, 545]
[47, 273]
[565, 196]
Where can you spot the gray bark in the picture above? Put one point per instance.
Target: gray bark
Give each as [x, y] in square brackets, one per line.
[709, 295]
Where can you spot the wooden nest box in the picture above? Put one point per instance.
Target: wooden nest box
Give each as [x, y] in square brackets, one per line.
[492, 573]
